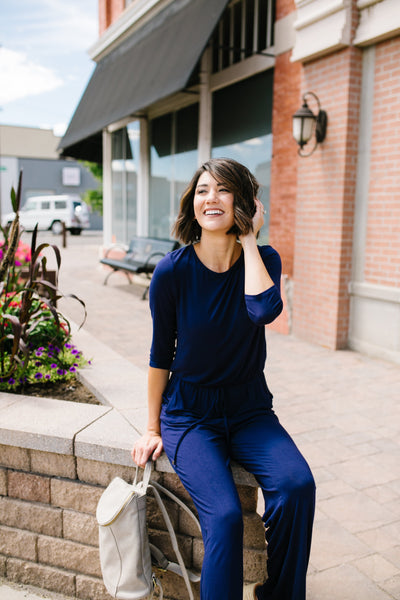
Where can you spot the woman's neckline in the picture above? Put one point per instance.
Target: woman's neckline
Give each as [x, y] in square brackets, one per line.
[237, 261]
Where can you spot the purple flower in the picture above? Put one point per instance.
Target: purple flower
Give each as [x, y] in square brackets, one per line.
[47, 376]
[68, 345]
[38, 352]
[37, 363]
[74, 351]
[72, 369]
[61, 372]
[53, 366]
[11, 381]
[38, 375]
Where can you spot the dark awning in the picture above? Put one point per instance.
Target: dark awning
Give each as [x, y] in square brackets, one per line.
[153, 63]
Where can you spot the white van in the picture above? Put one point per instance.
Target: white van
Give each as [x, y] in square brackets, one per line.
[49, 212]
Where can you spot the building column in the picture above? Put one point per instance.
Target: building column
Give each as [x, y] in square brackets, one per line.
[205, 109]
[143, 180]
[107, 189]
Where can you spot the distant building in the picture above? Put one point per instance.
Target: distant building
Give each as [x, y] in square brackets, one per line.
[35, 152]
[179, 81]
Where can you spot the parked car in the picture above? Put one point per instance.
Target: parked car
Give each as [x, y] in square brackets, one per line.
[50, 212]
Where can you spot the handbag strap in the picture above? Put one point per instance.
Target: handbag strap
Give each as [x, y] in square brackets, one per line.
[146, 476]
[173, 540]
[161, 561]
[164, 490]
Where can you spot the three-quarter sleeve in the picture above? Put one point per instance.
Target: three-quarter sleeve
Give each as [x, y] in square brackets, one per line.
[163, 311]
[263, 308]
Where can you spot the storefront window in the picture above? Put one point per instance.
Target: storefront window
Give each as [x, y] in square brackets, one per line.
[242, 130]
[124, 168]
[173, 155]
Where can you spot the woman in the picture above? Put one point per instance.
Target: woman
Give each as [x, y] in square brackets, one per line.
[208, 399]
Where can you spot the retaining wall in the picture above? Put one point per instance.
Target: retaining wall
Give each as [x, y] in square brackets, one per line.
[56, 458]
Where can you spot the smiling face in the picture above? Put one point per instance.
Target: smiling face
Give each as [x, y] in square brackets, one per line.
[213, 204]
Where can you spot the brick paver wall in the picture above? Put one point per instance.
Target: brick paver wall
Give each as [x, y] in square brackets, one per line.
[382, 259]
[49, 534]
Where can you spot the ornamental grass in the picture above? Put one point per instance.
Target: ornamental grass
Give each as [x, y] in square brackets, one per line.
[35, 338]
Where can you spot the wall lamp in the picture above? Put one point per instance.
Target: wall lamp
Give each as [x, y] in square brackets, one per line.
[305, 123]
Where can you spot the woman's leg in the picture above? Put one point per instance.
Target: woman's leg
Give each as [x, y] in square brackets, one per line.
[202, 468]
[265, 449]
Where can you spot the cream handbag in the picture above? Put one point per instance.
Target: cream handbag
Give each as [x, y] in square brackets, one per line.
[125, 552]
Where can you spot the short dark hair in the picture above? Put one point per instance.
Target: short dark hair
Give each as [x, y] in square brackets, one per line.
[240, 182]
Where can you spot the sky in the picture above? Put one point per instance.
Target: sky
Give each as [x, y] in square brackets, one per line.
[44, 63]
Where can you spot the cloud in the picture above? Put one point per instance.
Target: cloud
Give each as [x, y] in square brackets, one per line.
[59, 129]
[64, 26]
[21, 77]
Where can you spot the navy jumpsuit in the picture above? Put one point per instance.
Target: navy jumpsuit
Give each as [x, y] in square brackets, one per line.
[216, 407]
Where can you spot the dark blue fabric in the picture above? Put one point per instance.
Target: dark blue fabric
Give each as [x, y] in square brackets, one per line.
[241, 428]
[217, 407]
[206, 330]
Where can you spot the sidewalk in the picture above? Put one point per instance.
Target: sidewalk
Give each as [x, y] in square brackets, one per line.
[342, 409]
[14, 591]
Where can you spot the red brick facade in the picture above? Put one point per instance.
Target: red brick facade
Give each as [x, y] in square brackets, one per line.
[325, 205]
[382, 260]
[326, 201]
[286, 100]
[109, 11]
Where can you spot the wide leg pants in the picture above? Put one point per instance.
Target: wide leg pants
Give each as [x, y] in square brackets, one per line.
[200, 445]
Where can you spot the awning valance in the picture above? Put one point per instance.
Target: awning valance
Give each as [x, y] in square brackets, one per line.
[153, 63]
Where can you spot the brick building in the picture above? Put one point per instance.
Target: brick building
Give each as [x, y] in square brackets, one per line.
[178, 81]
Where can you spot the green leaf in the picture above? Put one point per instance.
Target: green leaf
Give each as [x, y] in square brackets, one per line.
[13, 200]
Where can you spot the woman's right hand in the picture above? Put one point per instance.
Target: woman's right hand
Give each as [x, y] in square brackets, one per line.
[148, 446]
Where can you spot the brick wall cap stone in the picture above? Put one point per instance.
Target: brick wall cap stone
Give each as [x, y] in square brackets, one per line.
[109, 439]
[45, 424]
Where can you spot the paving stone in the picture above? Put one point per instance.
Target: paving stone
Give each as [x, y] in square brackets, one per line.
[343, 583]
[356, 512]
[332, 545]
[393, 555]
[381, 538]
[376, 568]
[392, 587]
